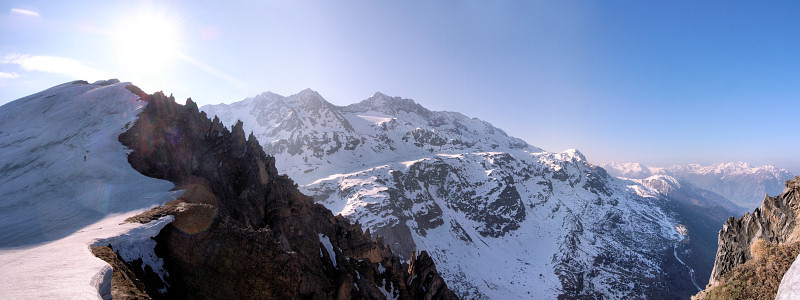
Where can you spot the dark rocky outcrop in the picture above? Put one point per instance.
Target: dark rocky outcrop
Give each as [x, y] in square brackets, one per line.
[125, 283]
[775, 223]
[243, 231]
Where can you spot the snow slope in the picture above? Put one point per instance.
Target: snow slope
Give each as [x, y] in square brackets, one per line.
[502, 219]
[790, 284]
[66, 184]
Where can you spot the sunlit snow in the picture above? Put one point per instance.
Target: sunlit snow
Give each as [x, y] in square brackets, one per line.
[66, 185]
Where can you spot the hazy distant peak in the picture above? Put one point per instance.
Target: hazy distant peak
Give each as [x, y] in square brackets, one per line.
[628, 170]
[307, 95]
[307, 92]
[730, 168]
[268, 94]
[739, 182]
[390, 105]
[380, 95]
[672, 181]
[307, 98]
[641, 171]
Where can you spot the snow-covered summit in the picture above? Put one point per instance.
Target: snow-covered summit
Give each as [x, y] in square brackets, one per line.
[629, 170]
[572, 155]
[730, 168]
[390, 105]
[307, 134]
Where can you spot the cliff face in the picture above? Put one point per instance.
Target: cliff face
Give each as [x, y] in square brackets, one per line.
[742, 244]
[243, 231]
[775, 222]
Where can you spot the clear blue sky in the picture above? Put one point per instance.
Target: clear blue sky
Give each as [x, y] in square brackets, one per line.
[658, 82]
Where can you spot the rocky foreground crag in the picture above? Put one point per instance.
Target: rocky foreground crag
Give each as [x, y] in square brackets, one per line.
[242, 231]
[756, 250]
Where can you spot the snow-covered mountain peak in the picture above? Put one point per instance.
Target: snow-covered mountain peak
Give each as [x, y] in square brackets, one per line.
[307, 99]
[262, 100]
[731, 168]
[573, 155]
[308, 95]
[628, 170]
[389, 105]
[307, 134]
[664, 184]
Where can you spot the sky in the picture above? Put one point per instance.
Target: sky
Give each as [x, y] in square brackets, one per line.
[657, 82]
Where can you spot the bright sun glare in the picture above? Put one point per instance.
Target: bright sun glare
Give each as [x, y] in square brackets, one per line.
[146, 43]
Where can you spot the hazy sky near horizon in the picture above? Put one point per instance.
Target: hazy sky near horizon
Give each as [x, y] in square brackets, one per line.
[658, 82]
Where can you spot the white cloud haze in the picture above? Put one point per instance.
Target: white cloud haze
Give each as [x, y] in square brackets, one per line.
[6, 75]
[24, 12]
[51, 64]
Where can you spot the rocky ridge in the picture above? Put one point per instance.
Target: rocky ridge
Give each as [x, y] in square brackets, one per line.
[774, 225]
[243, 231]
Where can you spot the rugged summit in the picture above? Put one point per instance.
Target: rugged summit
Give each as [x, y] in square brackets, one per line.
[756, 241]
[531, 223]
[243, 231]
[312, 138]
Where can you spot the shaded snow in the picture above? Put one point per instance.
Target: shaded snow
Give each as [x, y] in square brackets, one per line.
[138, 244]
[56, 203]
[390, 293]
[381, 269]
[326, 242]
[375, 118]
[790, 284]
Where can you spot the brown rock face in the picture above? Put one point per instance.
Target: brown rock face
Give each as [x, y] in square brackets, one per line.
[242, 231]
[775, 224]
[124, 282]
[758, 278]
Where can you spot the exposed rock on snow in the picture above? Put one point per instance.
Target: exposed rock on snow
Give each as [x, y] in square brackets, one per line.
[775, 221]
[242, 231]
[530, 223]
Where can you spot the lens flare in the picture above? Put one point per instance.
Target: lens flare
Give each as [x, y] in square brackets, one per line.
[147, 42]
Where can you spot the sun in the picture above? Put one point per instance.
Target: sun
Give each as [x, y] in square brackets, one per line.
[146, 43]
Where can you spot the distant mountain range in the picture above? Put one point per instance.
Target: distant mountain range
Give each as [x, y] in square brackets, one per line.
[744, 185]
[502, 218]
[758, 252]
